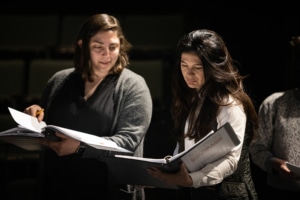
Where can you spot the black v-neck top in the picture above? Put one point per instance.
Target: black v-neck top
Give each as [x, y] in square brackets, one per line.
[94, 115]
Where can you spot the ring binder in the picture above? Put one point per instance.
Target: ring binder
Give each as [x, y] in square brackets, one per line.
[195, 157]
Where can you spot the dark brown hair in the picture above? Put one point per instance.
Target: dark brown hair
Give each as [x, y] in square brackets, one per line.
[94, 24]
[222, 80]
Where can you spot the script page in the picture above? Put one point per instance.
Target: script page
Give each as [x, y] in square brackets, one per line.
[27, 121]
[92, 140]
[211, 148]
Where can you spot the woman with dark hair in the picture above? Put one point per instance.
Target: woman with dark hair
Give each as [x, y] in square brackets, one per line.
[99, 96]
[208, 92]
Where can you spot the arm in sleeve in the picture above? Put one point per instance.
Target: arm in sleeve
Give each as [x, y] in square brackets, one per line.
[133, 114]
[260, 148]
[216, 171]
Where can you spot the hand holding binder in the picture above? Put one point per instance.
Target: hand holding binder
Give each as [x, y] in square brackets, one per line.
[30, 131]
[294, 168]
[133, 170]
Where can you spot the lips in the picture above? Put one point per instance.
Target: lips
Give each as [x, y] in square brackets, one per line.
[105, 62]
[190, 81]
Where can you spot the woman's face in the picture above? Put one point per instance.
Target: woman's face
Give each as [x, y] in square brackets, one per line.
[104, 50]
[192, 70]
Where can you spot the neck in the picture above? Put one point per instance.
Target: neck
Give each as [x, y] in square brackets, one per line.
[90, 87]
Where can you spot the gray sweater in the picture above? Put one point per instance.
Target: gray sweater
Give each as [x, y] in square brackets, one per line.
[279, 135]
[133, 110]
[133, 113]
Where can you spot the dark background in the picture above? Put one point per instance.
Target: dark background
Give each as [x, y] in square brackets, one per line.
[257, 35]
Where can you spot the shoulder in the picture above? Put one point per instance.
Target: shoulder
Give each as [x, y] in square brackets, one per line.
[129, 74]
[232, 107]
[133, 86]
[131, 78]
[63, 73]
[232, 112]
[59, 77]
[279, 102]
[272, 97]
[232, 104]
[279, 97]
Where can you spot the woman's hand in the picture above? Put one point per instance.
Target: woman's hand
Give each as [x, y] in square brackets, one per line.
[180, 178]
[36, 111]
[65, 146]
[280, 167]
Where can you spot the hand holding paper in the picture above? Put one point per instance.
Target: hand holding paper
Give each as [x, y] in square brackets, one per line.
[30, 129]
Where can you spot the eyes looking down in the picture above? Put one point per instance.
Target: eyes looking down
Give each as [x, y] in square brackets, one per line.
[104, 49]
[192, 70]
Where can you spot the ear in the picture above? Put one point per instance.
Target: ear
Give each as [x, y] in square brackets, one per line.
[79, 43]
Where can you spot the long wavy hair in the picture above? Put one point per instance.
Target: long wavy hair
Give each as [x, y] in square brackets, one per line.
[94, 24]
[222, 80]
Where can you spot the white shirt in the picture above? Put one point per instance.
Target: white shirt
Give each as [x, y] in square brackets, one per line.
[215, 172]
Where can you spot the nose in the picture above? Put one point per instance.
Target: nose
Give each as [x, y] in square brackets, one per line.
[105, 51]
[190, 72]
